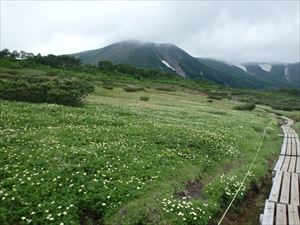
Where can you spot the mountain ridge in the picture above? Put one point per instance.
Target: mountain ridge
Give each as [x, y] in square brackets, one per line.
[170, 58]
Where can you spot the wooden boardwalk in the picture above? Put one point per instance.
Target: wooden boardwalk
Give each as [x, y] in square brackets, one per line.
[283, 205]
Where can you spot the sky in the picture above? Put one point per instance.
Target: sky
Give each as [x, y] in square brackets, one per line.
[233, 31]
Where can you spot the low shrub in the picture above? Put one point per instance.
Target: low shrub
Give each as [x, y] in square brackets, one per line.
[64, 97]
[132, 89]
[247, 106]
[64, 92]
[209, 100]
[108, 84]
[284, 108]
[144, 98]
[13, 72]
[215, 97]
[108, 87]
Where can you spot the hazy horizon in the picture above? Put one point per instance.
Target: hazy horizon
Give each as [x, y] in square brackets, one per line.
[235, 32]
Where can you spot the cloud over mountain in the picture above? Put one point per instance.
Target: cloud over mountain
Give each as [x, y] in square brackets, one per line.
[233, 31]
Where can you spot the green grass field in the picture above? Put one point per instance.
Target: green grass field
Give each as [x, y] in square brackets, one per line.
[175, 159]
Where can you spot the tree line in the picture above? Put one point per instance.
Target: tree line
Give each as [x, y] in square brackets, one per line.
[70, 62]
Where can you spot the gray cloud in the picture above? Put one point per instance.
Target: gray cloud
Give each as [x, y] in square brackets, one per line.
[233, 31]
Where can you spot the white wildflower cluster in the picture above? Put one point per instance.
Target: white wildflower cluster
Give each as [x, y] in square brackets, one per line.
[226, 186]
[186, 210]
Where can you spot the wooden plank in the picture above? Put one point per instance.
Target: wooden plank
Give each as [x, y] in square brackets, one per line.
[281, 218]
[285, 132]
[269, 213]
[274, 195]
[295, 189]
[293, 134]
[292, 166]
[283, 147]
[293, 146]
[288, 132]
[289, 147]
[298, 165]
[279, 163]
[285, 190]
[296, 136]
[298, 146]
[286, 163]
[293, 215]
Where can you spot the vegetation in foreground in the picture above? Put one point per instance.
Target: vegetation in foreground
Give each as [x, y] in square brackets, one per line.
[122, 160]
[173, 159]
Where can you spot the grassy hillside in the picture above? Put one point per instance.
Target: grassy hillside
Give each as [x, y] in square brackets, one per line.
[174, 159]
[124, 75]
[121, 160]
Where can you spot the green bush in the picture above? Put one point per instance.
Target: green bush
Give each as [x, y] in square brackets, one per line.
[133, 89]
[108, 84]
[247, 106]
[12, 72]
[64, 92]
[64, 97]
[209, 100]
[215, 97]
[108, 87]
[22, 91]
[144, 98]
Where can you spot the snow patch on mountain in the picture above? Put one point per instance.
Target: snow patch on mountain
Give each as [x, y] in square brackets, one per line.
[265, 67]
[167, 64]
[286, 71]
[242, 67]
[286, 74]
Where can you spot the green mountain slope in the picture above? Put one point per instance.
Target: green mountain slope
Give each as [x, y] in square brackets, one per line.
[234, 76]
[166, 57]
[170, 58]
[288, 73]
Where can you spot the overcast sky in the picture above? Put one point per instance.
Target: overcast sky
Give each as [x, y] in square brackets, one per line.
[234, 31]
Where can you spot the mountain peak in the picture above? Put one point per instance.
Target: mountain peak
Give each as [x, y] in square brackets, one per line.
[146, 43]
[172, 59]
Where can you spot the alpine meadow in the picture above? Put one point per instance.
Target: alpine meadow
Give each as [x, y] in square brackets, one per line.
[144, 132]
